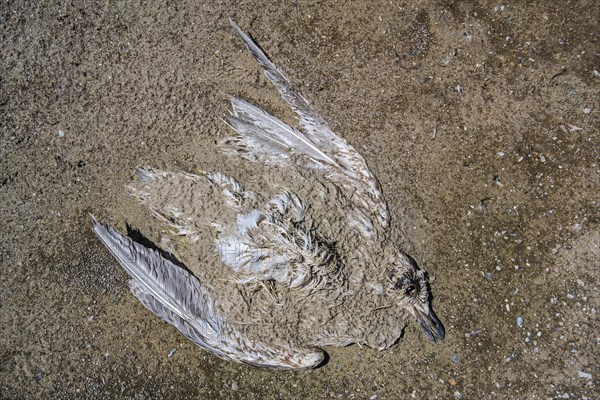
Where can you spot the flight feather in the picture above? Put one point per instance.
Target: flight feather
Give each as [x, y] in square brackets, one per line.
[262, 137]
[178, 298]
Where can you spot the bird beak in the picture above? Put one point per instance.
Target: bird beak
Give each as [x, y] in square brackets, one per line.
[430, 323]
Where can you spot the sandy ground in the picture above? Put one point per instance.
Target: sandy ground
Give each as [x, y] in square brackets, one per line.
[480, 120]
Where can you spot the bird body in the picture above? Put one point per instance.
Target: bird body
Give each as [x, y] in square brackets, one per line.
[277, 268]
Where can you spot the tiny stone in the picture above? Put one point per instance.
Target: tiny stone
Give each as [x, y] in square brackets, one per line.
[584, 375]
[234, 386]
[61, 133]
[171, 353]
[457, 395]
[520, 321]
[587, 110]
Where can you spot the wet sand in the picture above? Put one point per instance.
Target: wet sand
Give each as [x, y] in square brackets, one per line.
[480, 120]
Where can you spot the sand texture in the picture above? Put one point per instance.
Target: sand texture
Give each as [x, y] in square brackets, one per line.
[480, 120]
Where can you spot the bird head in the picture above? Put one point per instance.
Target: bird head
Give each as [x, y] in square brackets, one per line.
[409, 284]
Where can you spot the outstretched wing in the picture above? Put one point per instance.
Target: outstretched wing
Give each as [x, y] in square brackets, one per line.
[178, 298]
[262, 137]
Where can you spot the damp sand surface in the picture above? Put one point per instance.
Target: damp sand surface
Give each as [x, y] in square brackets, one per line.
[480, 121]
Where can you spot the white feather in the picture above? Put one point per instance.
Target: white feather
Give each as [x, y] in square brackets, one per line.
[274, 129]
[264, 138]
[178, 298]
[168, 290]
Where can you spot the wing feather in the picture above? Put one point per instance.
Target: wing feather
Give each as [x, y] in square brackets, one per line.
[325, 149]
[277, 130]
[178, 298]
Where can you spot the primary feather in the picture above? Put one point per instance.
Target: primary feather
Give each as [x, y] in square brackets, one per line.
[251, 120]
[345, 166]
[178, 298]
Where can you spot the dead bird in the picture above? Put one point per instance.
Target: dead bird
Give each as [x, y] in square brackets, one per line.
[303, 263]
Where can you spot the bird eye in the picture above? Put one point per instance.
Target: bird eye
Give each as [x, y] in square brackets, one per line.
[404, 282]
[408, 284]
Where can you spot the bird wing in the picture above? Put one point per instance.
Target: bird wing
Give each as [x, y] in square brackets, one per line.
[261, 137]
[184, 201]
[178, 298]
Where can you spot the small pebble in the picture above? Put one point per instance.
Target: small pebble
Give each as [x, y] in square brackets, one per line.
[457, 395]
[584, 375]
[520, 321]
[587, 110]
[61, 133]
[171, 353]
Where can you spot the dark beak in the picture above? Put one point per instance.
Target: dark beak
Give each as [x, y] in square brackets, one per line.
[431, 324]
